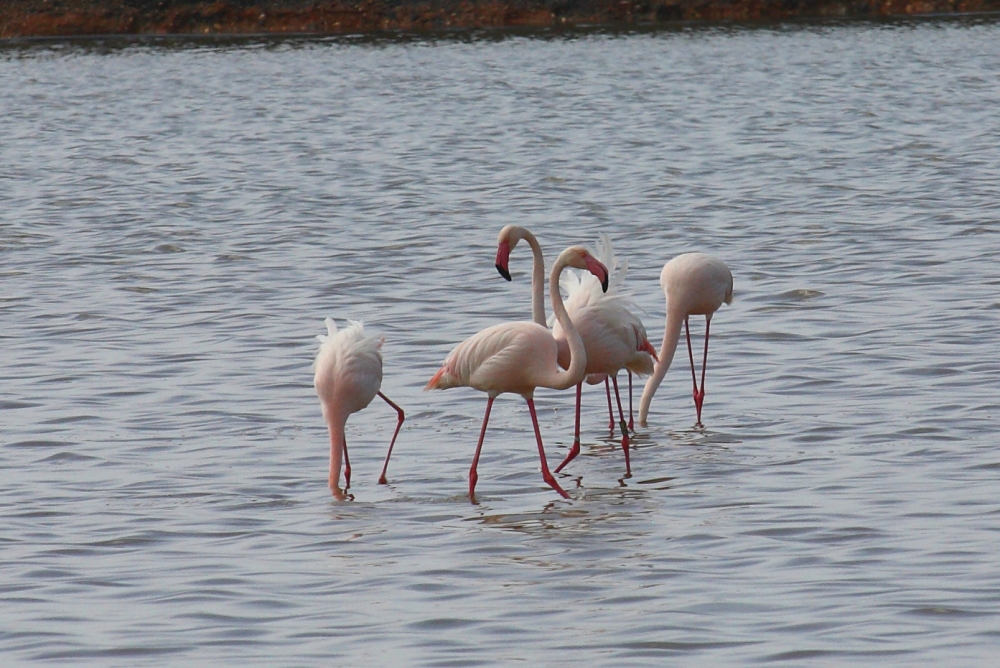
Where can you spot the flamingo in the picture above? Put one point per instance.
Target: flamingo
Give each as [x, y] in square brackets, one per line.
[693, 284]
[348, 376]
[613, 336]
[518, 357]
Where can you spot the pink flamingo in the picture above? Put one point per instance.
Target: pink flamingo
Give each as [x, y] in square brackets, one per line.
[613, 336]
[694, 284]
[348, 376]
[518, 357]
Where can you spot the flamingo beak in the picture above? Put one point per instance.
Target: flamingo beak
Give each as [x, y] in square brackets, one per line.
[599, 270]
[503, 259]
[647, 347]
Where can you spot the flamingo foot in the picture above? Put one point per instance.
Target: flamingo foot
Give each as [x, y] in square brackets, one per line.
[473, 479]
[625, 446]
[548, 477]
[699, 399]
[573, 452]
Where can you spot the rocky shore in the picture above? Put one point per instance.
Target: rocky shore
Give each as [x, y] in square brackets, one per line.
[46, 18]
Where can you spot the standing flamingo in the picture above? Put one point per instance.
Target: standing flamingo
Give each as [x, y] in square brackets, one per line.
[348, 376]
[518, 357]
[613, 336]
[694, 284]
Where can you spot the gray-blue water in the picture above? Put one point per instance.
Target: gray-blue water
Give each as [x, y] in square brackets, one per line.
[176, 220]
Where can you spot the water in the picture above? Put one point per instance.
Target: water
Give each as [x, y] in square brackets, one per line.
[176, 219]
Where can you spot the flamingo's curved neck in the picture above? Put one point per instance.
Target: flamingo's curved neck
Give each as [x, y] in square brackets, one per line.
[671, 335]
[336, 421]
[578, 354]
[537, 280]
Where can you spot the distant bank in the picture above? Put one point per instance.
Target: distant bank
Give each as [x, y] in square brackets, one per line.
[38, 18]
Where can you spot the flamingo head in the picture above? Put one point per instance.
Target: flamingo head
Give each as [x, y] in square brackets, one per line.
[503, 258]
[580, 258]
[509, 236]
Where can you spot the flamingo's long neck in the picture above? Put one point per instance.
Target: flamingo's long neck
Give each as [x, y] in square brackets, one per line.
[336, 423]
[578, 354]
[671, 335]
[537, 280]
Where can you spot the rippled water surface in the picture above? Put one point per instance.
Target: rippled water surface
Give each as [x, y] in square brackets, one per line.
[177, 218]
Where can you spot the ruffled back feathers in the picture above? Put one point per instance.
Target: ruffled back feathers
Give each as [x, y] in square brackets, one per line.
[350, 339]
[582, 288]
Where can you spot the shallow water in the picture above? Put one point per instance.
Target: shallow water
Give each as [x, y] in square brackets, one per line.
[177, 218]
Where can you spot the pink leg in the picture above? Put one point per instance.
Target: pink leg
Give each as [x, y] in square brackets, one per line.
[704, 364]
[399, 423]
[621, 421]
[631, 422]
[347, 468]
[473, 475]
[546, 475]
[575, 450]
[699, 394]
[611, 411]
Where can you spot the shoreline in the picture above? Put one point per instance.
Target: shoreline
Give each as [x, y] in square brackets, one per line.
[82, 18]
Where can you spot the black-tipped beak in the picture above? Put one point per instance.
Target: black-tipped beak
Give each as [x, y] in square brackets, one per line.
[599, 270]
[503, 259]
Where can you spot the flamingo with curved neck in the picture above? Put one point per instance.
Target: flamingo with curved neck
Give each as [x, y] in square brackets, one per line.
[509, 237]
[518, 357]
[693, 284]
[613, 336]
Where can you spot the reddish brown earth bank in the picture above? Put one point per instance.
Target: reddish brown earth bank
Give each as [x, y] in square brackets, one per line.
[36, 18]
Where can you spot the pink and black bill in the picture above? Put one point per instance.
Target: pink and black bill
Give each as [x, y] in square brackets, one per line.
[599, 270]
[503, 259]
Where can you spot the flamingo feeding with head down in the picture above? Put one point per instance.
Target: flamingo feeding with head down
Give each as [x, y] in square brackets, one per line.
[694, 284]
[348, 376]
[613, 337]
[518, 357]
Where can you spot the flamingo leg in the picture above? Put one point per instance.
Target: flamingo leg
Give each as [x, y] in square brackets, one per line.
[546, 475]
[575, 450]
[611, 411]
[399, 423]
[699, 393]
[473, 476]
[621, 422]
[700, 396]
[347, 468]
[631, 422]
[694, 377]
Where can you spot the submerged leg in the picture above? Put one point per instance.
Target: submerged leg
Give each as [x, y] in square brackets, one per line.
[546, 475]
[575, 450]
[399, 423]
[473, 476]
[621, 422]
